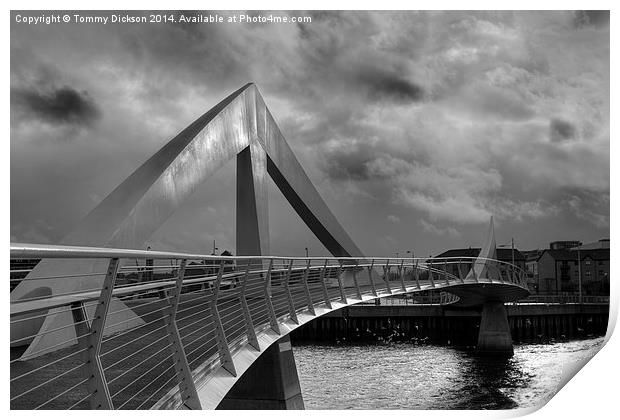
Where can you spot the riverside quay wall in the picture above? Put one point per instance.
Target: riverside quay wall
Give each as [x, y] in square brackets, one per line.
[533, 323]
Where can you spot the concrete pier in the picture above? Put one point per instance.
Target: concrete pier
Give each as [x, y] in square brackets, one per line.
[271, 383]
[494, 335]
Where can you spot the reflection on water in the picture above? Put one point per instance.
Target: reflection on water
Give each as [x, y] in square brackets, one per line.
[432, 377]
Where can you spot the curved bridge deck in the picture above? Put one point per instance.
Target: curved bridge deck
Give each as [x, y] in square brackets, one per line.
[192, 324]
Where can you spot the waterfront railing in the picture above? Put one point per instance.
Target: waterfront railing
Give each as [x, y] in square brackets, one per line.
[130, 329]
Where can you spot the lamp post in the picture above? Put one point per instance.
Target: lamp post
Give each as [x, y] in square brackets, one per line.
[512, 247]
[306, 248]
[411, 256]
[579, 272]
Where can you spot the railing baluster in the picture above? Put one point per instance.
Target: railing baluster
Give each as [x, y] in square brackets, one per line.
[220, 335]
[187, 386]
[249, 325]
[473, 269]
[273, 320]
[343, 295]
[386, 275]
[289, 296]
[429, 267]
[358, 292]
[416, 275]
[307, 289]
[176, 293]
[326, 298]
[372, 280]
[90, 338]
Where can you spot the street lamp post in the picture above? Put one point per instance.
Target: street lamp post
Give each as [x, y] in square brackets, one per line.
[306, 252]
[579, 273]
[512, 247]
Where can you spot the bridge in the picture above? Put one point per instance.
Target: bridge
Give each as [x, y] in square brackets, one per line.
[98, 323]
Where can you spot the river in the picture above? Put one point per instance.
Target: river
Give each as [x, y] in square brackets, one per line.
[407, 376]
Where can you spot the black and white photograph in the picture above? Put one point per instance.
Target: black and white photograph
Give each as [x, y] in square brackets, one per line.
[309, 209]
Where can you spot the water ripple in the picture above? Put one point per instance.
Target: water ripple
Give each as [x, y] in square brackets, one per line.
[406, 376]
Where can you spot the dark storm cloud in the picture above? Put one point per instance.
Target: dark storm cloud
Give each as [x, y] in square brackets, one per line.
[560, 130]
[347, 164]
[360, 161]
[59, 106]
[384, 86]
[428, 105]
[599, 18]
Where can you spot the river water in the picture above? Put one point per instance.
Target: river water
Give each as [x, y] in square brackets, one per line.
[408, 376]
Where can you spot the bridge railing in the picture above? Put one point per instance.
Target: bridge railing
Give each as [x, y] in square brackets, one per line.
[127, 329]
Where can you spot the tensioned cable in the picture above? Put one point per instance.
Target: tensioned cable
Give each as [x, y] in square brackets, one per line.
[153, 394]
[47, 365]
[49, 381]
[62, 393]
[39, 352]
[140, 377]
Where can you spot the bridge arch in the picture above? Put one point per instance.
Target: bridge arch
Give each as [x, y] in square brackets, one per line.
[239, 126]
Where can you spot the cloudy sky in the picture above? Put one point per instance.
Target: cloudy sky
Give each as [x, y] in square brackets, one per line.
[415, 127]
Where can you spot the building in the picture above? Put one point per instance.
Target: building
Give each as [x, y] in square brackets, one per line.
[560, 271]
[503, 254]
[469, 255]
[531, 268]
[600, 244]
[564, 244]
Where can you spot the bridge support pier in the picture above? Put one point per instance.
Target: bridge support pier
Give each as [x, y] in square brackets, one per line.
[494, 335]
[271, 383]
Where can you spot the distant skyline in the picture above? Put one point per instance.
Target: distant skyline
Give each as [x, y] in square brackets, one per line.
[415, 127]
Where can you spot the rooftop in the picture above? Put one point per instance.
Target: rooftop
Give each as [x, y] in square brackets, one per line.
[572, 254]
[503, 254]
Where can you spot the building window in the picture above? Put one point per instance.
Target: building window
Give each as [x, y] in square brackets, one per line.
[587, 274]
[588, 262]
[600, 272]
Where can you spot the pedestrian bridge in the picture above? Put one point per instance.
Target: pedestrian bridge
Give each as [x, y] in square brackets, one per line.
[205, 320]
[97, 323]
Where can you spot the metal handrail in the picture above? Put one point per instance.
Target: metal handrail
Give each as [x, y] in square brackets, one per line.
[126, 326]
[29, 251]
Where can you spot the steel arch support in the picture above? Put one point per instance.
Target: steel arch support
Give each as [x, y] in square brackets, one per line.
[131, 213]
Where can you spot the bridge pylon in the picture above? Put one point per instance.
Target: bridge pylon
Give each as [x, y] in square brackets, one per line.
[494, 337]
